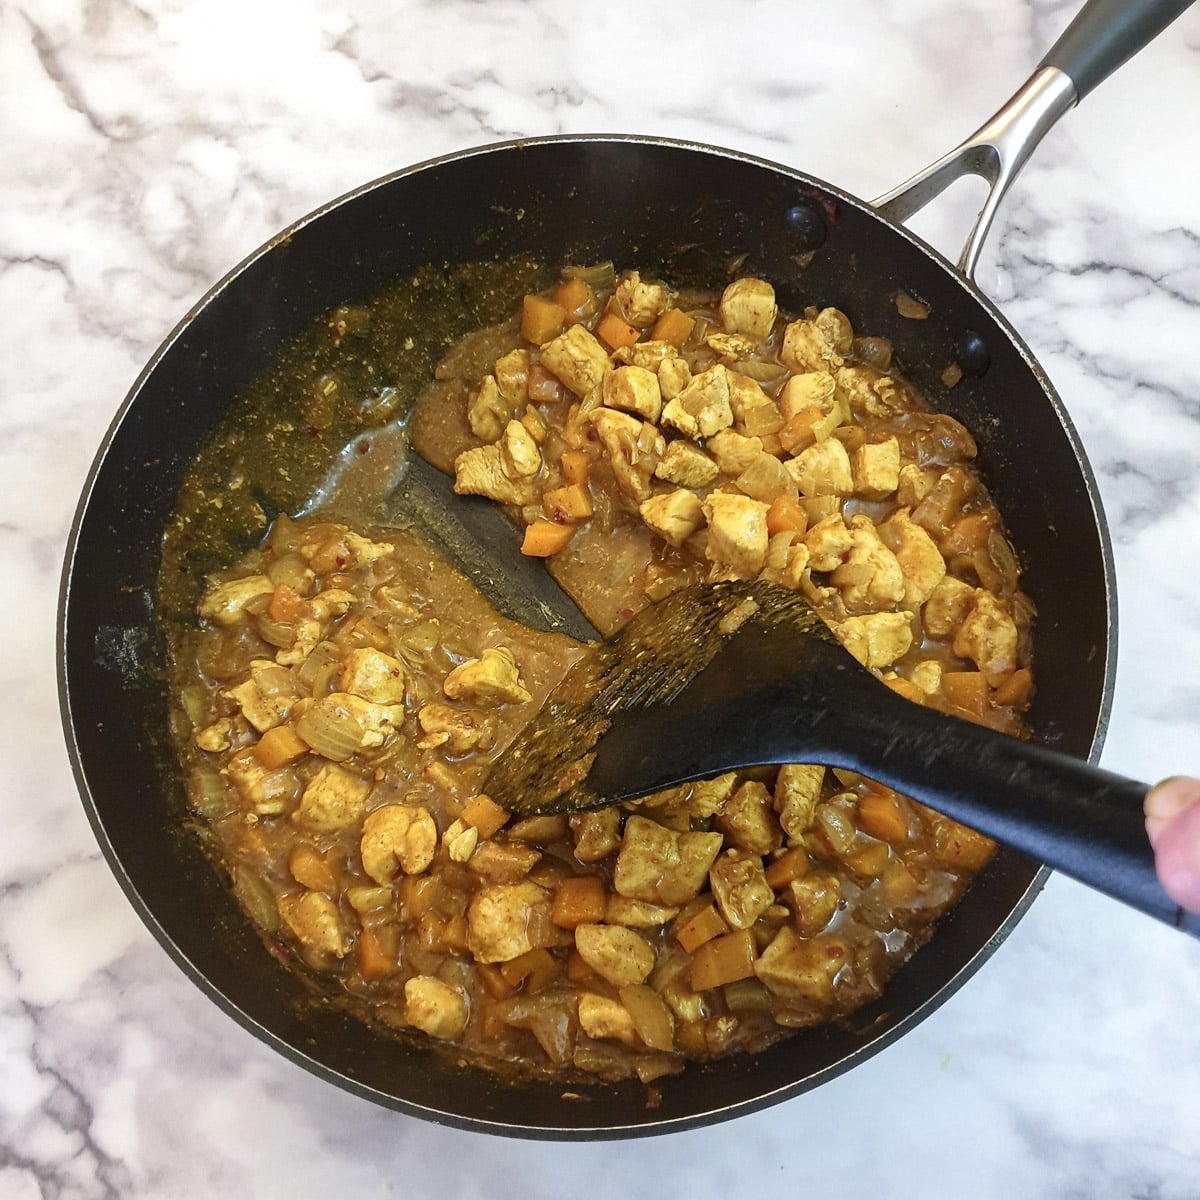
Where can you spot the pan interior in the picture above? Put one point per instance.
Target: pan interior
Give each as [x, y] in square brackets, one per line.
[692, 215]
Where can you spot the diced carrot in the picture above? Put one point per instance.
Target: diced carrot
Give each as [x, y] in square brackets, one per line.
[967, 690]
[417, 893]
[279, 746]
[1015, 691]
[868, 860]
[493, 981]
[961, 848]
[906, 688]
[484, 815]
[786, 515]
[882, 816]
[535, 969]
[544, 538]
[541, 319]
[575, 465]
[376, 960]
[673, 326]
[454, 933]
[284, 605]
[576, 298]
[703, 927]
[616, 332]
[724, 960]
[541, 387]
[578, 970]
[572, 501]
[788, 866]
[797, 432]
[579, 900]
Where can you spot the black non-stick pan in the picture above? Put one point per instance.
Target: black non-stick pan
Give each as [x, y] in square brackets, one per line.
[681, 211]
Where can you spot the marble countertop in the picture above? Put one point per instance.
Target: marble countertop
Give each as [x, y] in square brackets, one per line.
[147, 145]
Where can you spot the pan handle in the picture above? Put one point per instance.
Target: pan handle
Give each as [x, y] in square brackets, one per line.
[1103, 36]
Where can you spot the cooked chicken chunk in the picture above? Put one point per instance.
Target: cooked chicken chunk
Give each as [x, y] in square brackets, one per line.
[500, 918]
[871, 577]
[809, 389]
[359, 724]
[398, 837]
[597, 834]
[737, 533]
[268, 793]
[634, 449]
[373, 675]
[755, 414]
[640, 302]
[520, 453]
[674, 375]
[489, 411]
[740, 888]
[876, 639]
[262, 705]
[615, 953]
[810, 346]
[660, 865]
[453, 728]
[225, 604]
[875, 467]
[797, 790]
[823, 470]
[703, 407]
[686, 465]
[988, 637]
[918, 556]
[484, 471]
[947, 606]
[829, 543]
[635, 390]
[748, 306]
[313, 917]
[747, 819]
[733, 452]
[602, 1017]
[674, 516]
[491, 680]
[333, 799]
[434, 1007]
[577, 358]
[803, 969]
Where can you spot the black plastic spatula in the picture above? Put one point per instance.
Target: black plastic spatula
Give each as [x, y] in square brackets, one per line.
[746, 674]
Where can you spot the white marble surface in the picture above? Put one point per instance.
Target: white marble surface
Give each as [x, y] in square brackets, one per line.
[146, 145]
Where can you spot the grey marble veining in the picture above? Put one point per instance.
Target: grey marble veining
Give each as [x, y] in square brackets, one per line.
[148, 145]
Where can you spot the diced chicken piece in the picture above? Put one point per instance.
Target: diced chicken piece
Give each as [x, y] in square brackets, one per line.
[398, 837]
[810, 346]
[215, 737]
[268, 793]
[733, 452]
[813, 901]
[867, 393]
[597, 834]
[262, 706]
[363, 551]
[766, 479]
[373, 675]
[500, 918]
[434, 1007]
[313, 917]
[877, 640]
[481, 471]
[457, 731]
[488, 411]
[504, 862]
[674, 516]
[651, 355]
[748, 306]
[730, 347]
[915, 483]
[797, 791]
[519, 451]
[707, 795]
[359, 721]
[808, 389]
[674, 375]
[871, 577]
[918, 556]
[640, 302]
[747, 819]
[491, 680]
[635, 390]
[604, 1018]
[927, 676]
[333, 799]
[823, 470]
[615, 953]
[623, 910]
[577, 359]
[755, 414]
[737, 533]
[512, 375]
[947, 606]
[740, 888]
[226, 603]
[686, 465]
[876, 469]
[703, 407]
[828, 543]
[796, 567]
[662, 866]
[332, 603]
[988, 637]
[801, 969]
[634, 450]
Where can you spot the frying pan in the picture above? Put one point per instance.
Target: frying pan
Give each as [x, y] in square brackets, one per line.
[674, 209]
